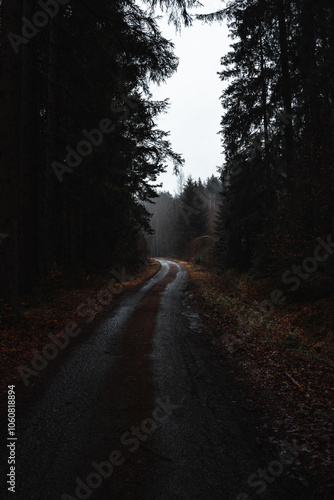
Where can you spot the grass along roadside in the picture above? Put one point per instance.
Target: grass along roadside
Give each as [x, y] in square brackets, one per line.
[286, 371]
[306, 326]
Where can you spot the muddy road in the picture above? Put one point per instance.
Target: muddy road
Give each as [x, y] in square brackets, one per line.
[142, 409]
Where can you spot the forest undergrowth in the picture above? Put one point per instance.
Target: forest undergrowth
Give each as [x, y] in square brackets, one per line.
[64, 301]
[284, 360]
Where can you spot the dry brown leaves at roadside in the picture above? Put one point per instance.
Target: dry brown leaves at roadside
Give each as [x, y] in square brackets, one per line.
[20, 336]
[284, 377]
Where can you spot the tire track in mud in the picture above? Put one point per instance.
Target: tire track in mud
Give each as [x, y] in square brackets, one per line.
[128, 402]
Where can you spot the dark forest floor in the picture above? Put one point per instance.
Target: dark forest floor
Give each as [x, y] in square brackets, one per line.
[62, 303]
[284, 360]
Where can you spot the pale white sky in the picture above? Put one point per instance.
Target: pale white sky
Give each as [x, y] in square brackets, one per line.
[194, 116]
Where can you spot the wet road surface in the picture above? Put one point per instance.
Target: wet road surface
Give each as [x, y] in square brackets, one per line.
[142, 409]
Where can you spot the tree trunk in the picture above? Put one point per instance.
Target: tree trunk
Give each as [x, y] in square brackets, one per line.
[28, 164]
[49, 239]
[10, 161]
[264, 98]
[286, 81]
[309, 70]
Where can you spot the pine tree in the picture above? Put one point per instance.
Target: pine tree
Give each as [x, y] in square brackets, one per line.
[192, 218]
[277, 130]
[82, 190]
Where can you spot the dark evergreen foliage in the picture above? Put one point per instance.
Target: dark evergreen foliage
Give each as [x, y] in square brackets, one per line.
[72, 194]
[178, 221]
[192, 216]
[277, 132]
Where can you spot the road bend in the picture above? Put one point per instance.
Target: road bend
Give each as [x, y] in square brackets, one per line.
[142, 409]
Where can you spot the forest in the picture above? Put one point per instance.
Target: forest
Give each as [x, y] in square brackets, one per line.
[277, 138]
[139, 325]
[81, 151]
[277, 132]
[179, 221]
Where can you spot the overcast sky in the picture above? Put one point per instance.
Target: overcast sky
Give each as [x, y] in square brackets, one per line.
[193, 119]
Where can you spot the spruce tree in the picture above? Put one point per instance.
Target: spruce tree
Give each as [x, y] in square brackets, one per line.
[192, 217]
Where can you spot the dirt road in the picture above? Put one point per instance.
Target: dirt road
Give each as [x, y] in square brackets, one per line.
[141, 408]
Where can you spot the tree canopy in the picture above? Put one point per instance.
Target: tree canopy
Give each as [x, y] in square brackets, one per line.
[79, 146]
